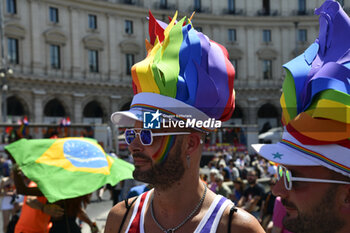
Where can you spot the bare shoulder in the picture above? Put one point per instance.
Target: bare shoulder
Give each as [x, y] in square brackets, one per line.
[115, 217]
[241, 222]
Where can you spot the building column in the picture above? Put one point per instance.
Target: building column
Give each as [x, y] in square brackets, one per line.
[115, 103]
[38, 105]
[36, 34]
[77, 108]
[252, 129]
[75, 51]
[111, 47]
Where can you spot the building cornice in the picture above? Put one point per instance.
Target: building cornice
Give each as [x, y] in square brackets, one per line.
[73, 82]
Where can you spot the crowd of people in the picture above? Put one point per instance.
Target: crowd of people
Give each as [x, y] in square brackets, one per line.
[25, 209]
[246, 180]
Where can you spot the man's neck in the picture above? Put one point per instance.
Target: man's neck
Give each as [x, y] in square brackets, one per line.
[252, 185]
[182, 195]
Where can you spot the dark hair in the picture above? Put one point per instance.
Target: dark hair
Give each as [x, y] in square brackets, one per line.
[273, 181]
[239, 181]
[73, 206]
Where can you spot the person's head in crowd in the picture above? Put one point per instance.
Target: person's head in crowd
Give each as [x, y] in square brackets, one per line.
[314, 153]
[258, 169]
[252, 177]
[212, 174]
[219, 180]
[222, 164]
[211, 164]
[203, 177]
[265, 169]
[226, 173]
[238, 184]
[272, 182]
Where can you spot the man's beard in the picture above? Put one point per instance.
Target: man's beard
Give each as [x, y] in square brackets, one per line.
[322, 219]
[251, 182]
[162, 175]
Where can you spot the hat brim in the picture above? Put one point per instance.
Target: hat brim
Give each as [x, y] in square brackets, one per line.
[292, 152]
[126, 118]
[169, 108]
[282, 154]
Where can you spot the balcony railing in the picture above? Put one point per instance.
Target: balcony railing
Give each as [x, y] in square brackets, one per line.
[233, 12]
[303, 12]
[160, 6]
[130, 2]
[274, 83]
[199, 9]
[265, 12]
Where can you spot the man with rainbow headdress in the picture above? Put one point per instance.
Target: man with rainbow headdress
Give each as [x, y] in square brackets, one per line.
[314, 154]
[183, 89]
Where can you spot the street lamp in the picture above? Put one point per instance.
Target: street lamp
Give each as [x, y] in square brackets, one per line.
[4, 72]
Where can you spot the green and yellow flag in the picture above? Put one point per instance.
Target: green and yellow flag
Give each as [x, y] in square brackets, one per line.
[68, 167]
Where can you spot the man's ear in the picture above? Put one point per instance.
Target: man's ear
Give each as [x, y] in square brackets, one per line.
[193, 142]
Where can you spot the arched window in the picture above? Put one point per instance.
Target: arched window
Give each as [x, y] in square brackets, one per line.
[54, 108]
[54, 112]
[268, 117]
[93, 113]
[14, 107]
[93, 109]
[236, 118]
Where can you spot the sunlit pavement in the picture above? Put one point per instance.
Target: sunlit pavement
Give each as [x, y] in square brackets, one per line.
[98, 212]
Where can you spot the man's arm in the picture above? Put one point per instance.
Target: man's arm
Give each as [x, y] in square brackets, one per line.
[51, 209]
[82, 215]
[252, 203]
[241, 222]
[244, 222]
[241, 201]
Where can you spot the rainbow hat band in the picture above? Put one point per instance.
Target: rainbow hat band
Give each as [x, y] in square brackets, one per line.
[185, 74]
[316, 98]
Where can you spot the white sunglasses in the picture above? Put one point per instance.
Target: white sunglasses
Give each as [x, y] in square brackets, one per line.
[288, 178]
[146, 135]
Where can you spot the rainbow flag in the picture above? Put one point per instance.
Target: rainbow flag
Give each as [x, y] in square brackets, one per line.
[68, 167]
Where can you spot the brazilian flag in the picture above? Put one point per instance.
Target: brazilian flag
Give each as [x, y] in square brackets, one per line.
[68, 167]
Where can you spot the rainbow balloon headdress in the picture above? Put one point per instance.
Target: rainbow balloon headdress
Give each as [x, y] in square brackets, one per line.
[316, 99]
[185, 74]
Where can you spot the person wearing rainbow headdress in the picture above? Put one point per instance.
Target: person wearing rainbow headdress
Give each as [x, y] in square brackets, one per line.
[314, 154]
[183, 89]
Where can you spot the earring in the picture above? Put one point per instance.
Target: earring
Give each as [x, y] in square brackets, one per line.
[188, 158]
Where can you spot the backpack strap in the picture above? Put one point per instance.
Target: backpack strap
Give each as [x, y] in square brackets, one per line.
[128, 207]
[232, 210]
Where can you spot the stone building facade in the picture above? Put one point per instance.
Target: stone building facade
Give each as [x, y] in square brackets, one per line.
[72, 58]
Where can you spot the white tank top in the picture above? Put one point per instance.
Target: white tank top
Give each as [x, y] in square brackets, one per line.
[208, 224]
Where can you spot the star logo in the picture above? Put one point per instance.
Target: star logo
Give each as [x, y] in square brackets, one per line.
[156, 115]
[277, 155]
[151, 120]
